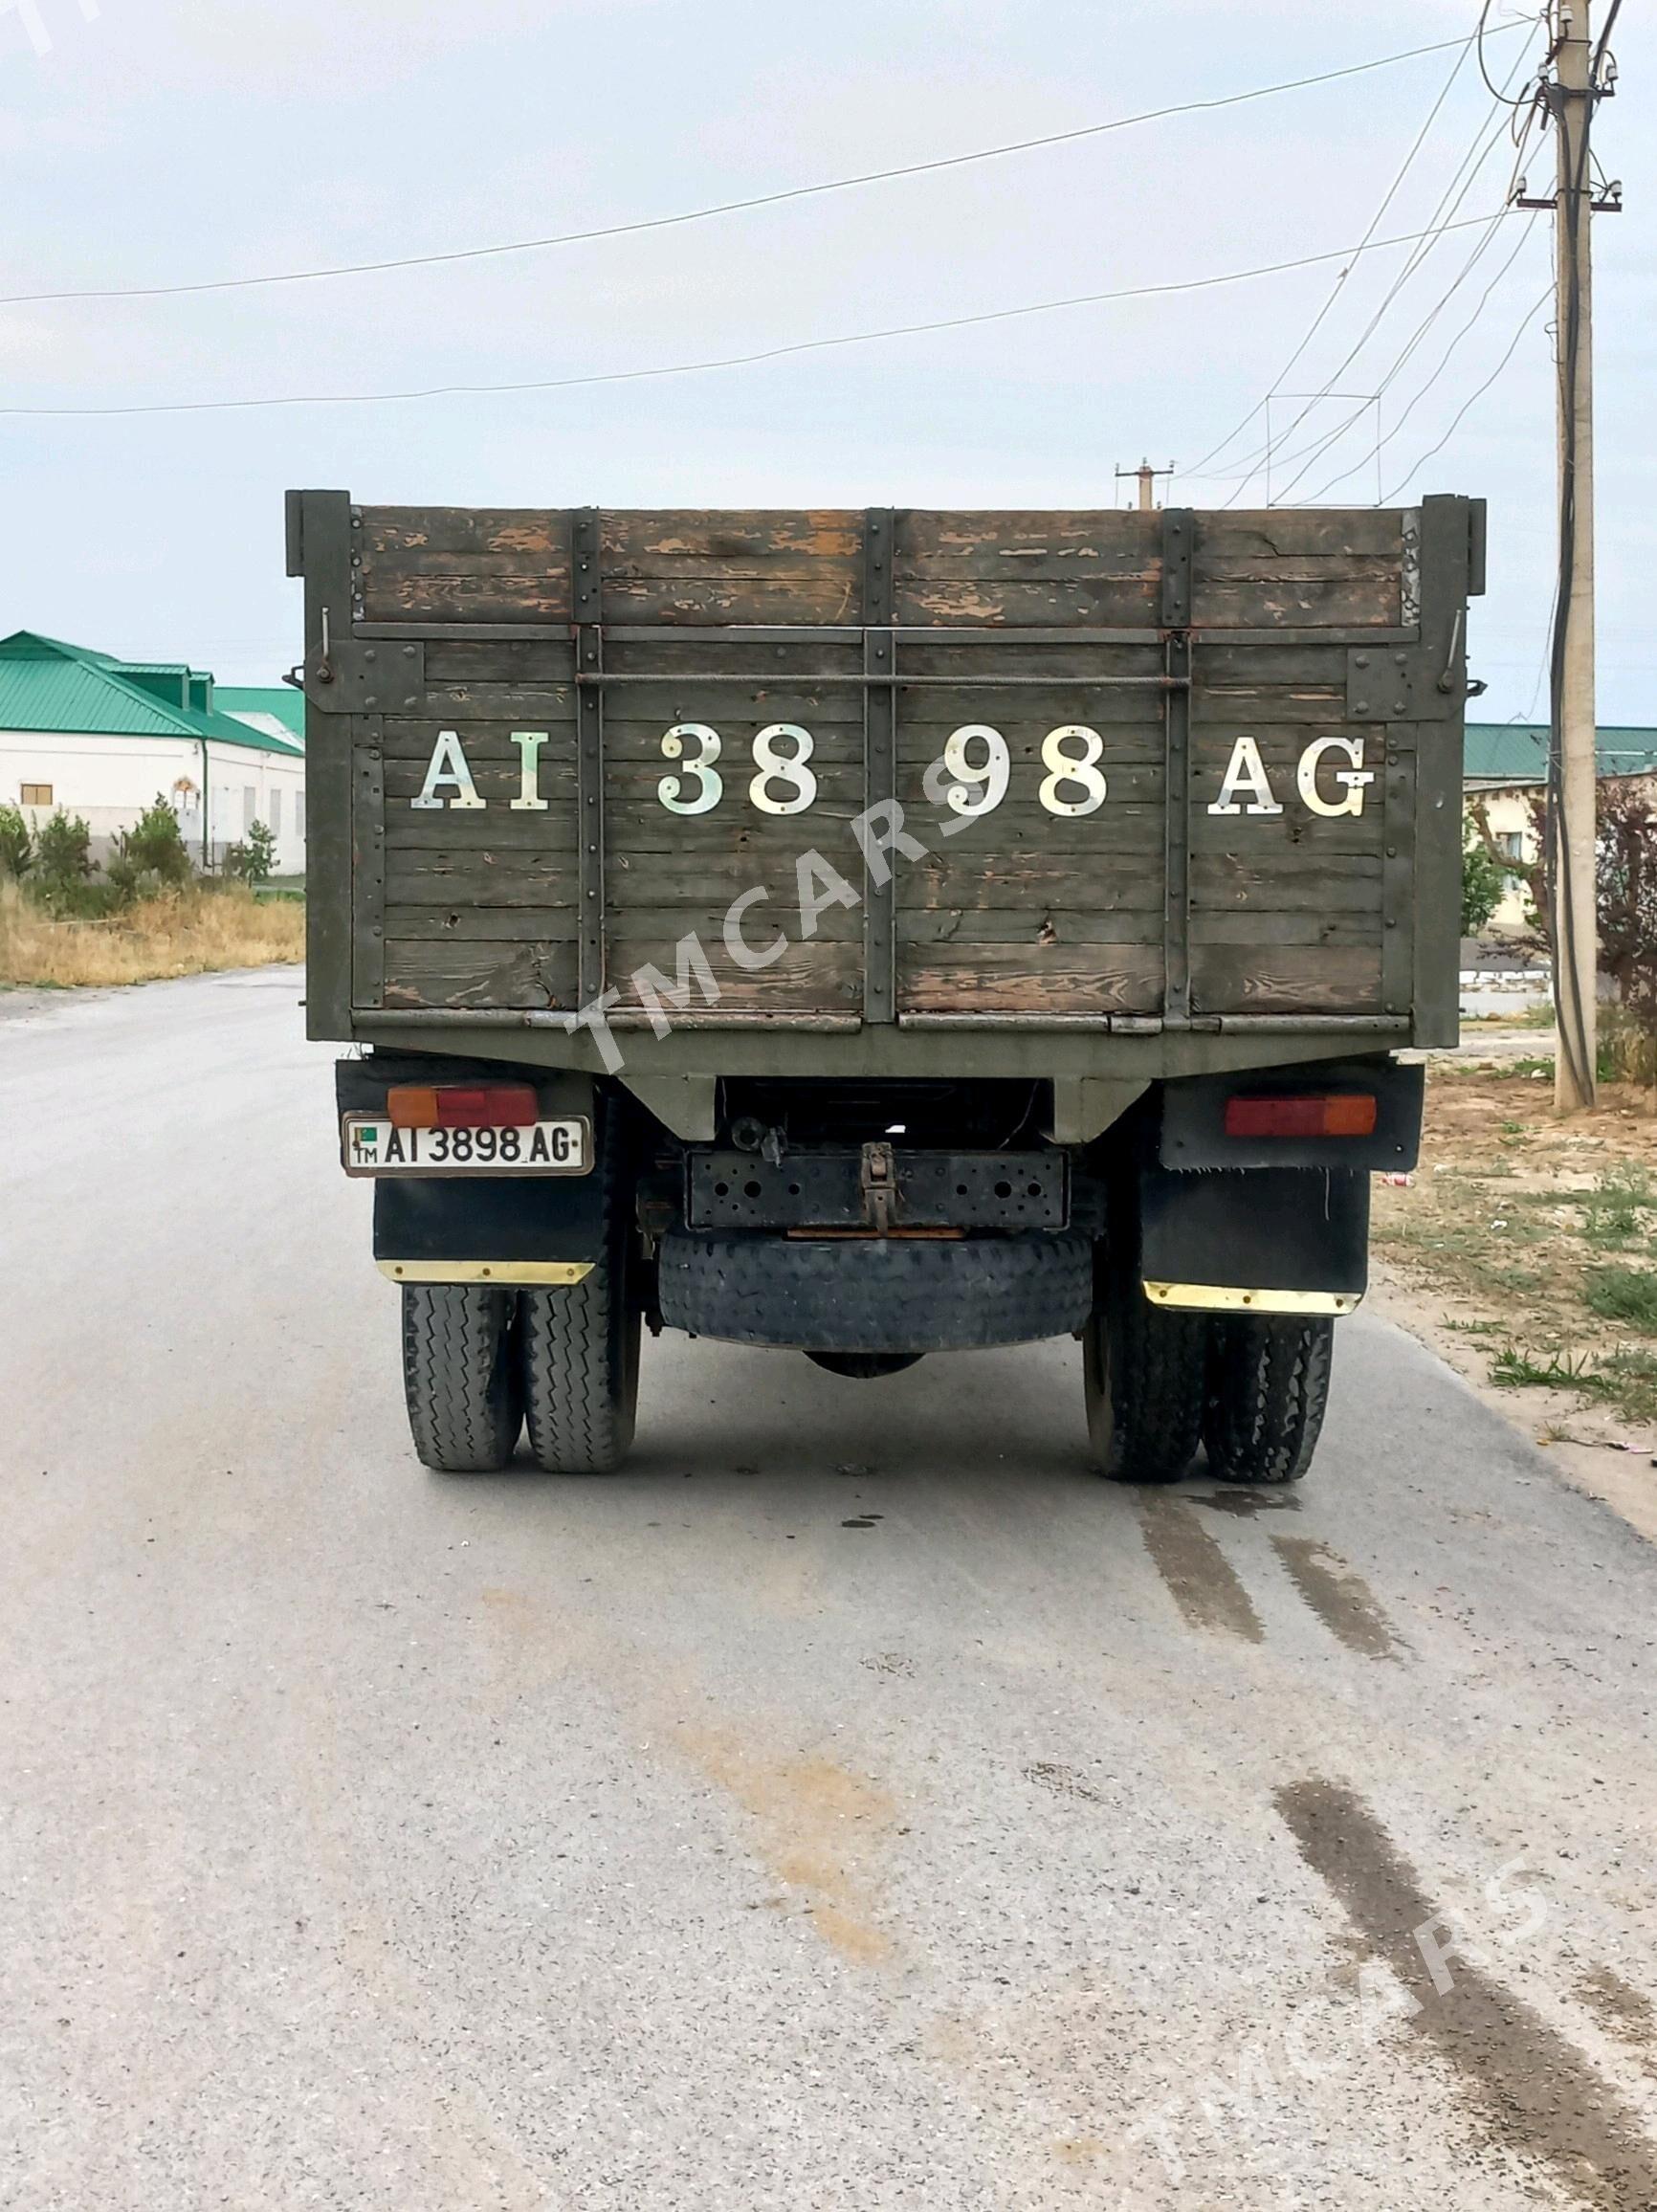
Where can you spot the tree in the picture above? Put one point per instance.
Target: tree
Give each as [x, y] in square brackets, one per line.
[17, 843]
[63, 859]
[252, 860]
[1627, 888]
[150, 858]
[1484, 881]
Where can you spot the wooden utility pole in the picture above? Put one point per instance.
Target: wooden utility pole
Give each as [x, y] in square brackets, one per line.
[1147, 481]
[1572, 771]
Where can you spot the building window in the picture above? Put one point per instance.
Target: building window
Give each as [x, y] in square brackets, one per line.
[250, 807]
[1511, 844]
[37, 794]
[276, 809]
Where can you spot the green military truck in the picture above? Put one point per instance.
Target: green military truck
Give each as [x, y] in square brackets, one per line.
[875, 933]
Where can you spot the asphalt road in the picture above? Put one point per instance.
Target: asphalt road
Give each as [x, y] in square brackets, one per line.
[851, 1806]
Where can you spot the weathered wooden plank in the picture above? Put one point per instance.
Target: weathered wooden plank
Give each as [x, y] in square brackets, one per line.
[490, 829]
[927, 538]
[525, 706]
[1262, 928]
[1257, 840]
[631, 538]
[1261, 536]
[450, 880]
[520, 594]
[476, 973]
[533, 662]
[1289, 979]
[1321, 602]
[824, 976]
[1034, 882]
[1067, 603]
[637, 922]
[1287, 882]
[1242, 703]
[398, 533]
[465, 923]
[720, 597]
[1011, 978]
[1036, 929]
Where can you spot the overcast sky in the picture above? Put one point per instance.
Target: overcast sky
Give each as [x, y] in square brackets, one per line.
[167, 140]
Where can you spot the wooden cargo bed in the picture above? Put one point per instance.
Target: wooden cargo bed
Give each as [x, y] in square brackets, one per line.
[1157, 773]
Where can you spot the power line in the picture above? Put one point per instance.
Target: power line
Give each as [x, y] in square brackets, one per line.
[1454, 194]
[1335, 291]
[1472, 400]
[1403, 358]
[723, 207]
[733, 360]
[1450, 352]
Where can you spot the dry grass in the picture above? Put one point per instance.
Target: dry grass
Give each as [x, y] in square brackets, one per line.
[184, 936]
[1538, 1233]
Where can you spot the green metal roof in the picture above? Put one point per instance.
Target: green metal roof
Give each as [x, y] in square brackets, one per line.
[1517, 752]
[48, 685]
[281, 701]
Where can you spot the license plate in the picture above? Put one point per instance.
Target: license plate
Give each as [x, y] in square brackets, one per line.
[373, 1146]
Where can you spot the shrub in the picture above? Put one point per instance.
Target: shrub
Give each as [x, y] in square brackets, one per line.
[1624, 1295]
[63, 860]
[17, 843]
[1484, 881]
[252, 860]
[150, 858]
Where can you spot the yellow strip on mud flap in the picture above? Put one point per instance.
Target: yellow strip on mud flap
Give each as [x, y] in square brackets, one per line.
[511, 1274]
[1222, 1298]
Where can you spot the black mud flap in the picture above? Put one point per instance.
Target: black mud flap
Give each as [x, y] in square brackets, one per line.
[1265, 1228]
[876, 1294]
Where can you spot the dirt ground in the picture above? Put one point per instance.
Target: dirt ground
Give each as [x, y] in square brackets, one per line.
[1524, 1250]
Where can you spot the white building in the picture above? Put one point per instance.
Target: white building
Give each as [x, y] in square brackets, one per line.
[82, 733]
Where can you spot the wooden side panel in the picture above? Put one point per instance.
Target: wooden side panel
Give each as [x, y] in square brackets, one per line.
[669, 875]
[743, 620]
[1098, 567]
[426, 564]
[1024, 909]
[697, 567]
[1300, 567]
[479, 902]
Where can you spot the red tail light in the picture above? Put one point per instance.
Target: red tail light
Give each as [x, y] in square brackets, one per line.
[1331, 1114]
[458, 1106]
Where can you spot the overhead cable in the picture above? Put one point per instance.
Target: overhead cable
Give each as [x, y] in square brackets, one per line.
[733, 360]
[720, 207]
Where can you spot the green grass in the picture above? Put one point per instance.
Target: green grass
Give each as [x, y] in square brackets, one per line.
[1613, 1213]
[1626, 1380]
[1624, 1295]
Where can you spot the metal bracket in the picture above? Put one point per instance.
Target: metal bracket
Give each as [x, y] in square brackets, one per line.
[345, 677]
[879, 760]
[1179, 543]
[586, 599]
[878, 1183]
[1381, 685]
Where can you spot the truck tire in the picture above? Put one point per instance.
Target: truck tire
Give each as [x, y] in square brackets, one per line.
[581, 1372]
[1268, 1387]
[460, 1376]
[1144, 1370]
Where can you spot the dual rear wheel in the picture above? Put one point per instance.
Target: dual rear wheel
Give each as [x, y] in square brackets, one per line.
[480, 1363]
[1250, 1388]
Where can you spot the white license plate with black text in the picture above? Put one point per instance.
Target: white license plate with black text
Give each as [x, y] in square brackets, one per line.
[373, 1145]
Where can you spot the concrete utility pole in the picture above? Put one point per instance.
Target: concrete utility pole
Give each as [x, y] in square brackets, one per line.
[1147, 481]
[1571, 793]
